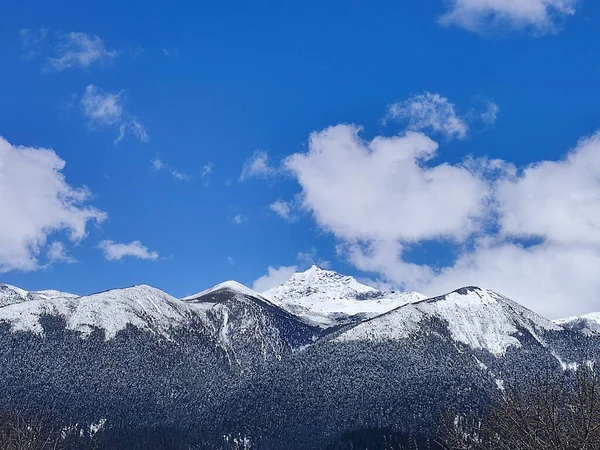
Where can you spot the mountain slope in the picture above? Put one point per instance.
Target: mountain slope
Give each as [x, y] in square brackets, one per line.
[408, 367]
[232, 315]
[588, 324]
[249, 321]
[12, 294]
[326, 298]
[479, 318]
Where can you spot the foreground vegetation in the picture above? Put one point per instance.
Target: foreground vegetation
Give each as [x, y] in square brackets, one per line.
[550, 413]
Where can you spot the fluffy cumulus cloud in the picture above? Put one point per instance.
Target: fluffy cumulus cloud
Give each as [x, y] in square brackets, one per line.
[114, 251]
[430, 112]
[79, 50]
[483, 16]
[36, 202]
[383, 189]
[104, 109]
[274, 277]
[531, 233]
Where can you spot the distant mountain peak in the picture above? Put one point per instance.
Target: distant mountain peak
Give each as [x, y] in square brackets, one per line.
[588, 324]
[230, 285]
[327, 298]
[10, 295]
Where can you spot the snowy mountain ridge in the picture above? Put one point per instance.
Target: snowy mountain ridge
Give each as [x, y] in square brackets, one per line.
[327, 298]
[11, 294]
[230, 285]
[588, 324]
[142, 306]
[479, 318]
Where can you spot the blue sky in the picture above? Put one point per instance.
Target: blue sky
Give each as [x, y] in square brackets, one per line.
[156, 110]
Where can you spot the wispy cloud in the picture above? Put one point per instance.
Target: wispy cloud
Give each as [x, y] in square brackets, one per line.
[274, 277]
[159, 165]
[490, 114]
[57, 253]
[429, 112]
[117, 251]
[283, 209]
[79, 50]
[485, 17]
[31, 42]
[207, 169]
[170, 52]
[238, 219]
[103, 109]
[258, 166]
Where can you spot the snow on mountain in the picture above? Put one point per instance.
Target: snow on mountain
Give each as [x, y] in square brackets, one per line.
[589, 324]
[479, 318]
[233, 286]
[326, 298]
[142, 306]
[230, 315]
[244, 319]
[12, 294]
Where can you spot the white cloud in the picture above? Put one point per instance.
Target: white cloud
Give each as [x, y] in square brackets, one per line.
[37, 202]
[310, 257]
[116, 251]
[258, 167]
[133, 126]
[283, 209]
[238, 219]
[532, 234]
[207, 169]
[57, 253]
[103, 108]
[158, 165]
[483, 16]
[430, 112]
[383, 189]
[556, 200]
[79, 50]
[230, 261]
[274, 277]
[490, 115]
[106, 109]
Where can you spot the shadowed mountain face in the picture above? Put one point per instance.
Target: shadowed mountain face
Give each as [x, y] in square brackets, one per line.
[229, 362]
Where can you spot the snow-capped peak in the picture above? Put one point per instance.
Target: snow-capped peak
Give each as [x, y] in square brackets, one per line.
[142, 306]
[479, 318]
[327, 298]
[588, 324]
[230, 285]
[12, 294]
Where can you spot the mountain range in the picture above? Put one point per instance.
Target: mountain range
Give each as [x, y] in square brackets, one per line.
[297, 366]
